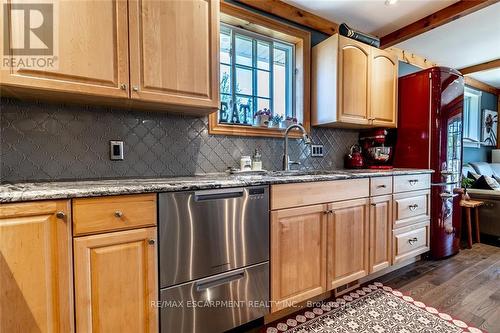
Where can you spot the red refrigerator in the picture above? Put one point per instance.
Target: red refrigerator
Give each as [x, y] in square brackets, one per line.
[429, 135]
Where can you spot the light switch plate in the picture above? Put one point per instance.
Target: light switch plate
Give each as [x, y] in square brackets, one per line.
[317, 150]
[116, 150]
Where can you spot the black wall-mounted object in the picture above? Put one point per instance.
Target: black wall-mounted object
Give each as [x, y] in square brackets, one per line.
[345, 30]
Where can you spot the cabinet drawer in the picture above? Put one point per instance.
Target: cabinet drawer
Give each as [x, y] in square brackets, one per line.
[411, 183]
[380, 186]
[411, 241]
[410, 207]
[303, 194]
[95, 215]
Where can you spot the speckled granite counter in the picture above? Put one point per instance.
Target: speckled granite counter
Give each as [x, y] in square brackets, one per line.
[92, 188]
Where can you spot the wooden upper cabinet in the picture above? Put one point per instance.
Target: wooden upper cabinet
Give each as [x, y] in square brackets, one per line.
[36, 276]
[174, 49]
[384, 81]
[354, 81]
[347, 242]
[116, 282]
[298, 257]
[380, 232]
[91, 50]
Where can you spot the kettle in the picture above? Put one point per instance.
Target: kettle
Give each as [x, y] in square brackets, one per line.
[355, 159]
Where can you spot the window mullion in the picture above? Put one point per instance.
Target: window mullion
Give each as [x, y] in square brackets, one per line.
[271, 76]
[254, 76]
[233, 75]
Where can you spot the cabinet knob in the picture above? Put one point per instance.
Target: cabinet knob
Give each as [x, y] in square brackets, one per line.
[123, 86]
[118, 213]
[413, 207]
[413, 240]
[413, 182]
[61, 215]
[151, 241]
[135, 88]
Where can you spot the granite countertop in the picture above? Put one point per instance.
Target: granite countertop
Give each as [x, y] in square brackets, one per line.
[17, 192]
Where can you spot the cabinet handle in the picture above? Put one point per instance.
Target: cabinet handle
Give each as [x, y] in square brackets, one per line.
[381, 186]
[413, 182]
[413, 240]
[118, 213]
[151, 241]
[328, 211]
[61, 215]
[123, 86]
[413, 207]
[135, 88]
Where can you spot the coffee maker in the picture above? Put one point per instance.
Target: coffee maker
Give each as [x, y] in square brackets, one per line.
[376, 150]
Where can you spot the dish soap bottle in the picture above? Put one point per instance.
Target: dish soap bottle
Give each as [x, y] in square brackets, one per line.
[257, 161]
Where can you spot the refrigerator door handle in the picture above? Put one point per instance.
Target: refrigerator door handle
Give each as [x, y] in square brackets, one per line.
[447, 195]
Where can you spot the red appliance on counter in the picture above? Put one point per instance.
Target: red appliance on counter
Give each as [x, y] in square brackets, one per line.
[378, 155]
[354, 160]
[429, 136]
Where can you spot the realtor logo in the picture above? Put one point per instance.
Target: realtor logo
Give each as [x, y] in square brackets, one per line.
[29, 35]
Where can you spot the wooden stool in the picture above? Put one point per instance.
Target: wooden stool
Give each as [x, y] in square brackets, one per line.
[468, 205]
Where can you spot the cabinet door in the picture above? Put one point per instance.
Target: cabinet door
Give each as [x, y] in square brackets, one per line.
[174, 52]
[298, 261]
[354, 81]
[347, 243]
[380, 232]
[36, 277]
[383, 109]
[91, 50]
[116, 281]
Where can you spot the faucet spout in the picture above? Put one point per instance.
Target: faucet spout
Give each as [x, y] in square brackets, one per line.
[305, 137]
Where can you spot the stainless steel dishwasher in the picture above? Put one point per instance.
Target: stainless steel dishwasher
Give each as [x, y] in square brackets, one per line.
[214, 258]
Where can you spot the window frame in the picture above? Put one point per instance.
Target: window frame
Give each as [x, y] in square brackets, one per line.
[250, 21]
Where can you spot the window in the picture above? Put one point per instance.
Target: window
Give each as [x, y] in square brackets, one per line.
[264, 63]
[256, 73]
[472, 115]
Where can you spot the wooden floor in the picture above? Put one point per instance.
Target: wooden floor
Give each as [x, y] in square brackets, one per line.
[466, 286]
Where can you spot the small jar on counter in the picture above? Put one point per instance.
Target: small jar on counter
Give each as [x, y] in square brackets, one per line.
[245, 163]
[257, 161]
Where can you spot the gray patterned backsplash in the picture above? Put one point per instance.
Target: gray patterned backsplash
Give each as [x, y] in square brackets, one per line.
[42, 141]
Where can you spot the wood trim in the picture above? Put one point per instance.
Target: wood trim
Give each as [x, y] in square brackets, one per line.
[480, 85]
[293, 14]
[480, 67]
[248, 20]
[441, 17]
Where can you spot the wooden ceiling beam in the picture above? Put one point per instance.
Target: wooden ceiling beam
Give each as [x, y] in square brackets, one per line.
[481, 85]
[293, 14]
[443, 16]
[480, 67]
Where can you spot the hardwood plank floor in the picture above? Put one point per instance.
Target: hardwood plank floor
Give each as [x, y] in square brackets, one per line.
[466, 286]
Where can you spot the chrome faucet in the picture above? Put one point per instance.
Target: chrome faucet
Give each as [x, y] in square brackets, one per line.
[305, 137]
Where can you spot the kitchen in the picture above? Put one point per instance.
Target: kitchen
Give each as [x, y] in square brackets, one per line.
[182, 168]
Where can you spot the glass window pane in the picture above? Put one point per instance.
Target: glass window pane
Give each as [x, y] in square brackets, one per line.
[225, 108]
[244, 81]
[263, 103]
[280, 82]
[244, 113]
[263, 83]
[225, 79]
[263, 55]
[244, 50]
[225, 46]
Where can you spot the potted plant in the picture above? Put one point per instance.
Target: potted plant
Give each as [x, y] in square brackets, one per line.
[275, 121]
[466, 183]
[288, 121]
[262, 117]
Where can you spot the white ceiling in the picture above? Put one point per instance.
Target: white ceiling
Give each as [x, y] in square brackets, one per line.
[372, 16]
[470, 40]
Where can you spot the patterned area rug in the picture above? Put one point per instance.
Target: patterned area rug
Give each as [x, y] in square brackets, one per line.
[374, 308]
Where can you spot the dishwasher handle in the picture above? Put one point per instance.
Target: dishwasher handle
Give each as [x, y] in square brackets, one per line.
[219, 280]
[218, 194]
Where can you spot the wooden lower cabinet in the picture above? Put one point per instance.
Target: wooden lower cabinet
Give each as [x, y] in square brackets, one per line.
[36, 285]
[298, 265]
[380, 232]
[116, 281]
[347, 242]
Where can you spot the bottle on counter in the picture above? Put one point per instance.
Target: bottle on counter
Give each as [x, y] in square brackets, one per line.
[245, 163]
[257, 161]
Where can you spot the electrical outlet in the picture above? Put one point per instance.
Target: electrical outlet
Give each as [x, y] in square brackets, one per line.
[116, 150]
[317, 150]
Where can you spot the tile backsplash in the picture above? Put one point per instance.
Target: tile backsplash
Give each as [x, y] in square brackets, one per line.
[42, 141]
